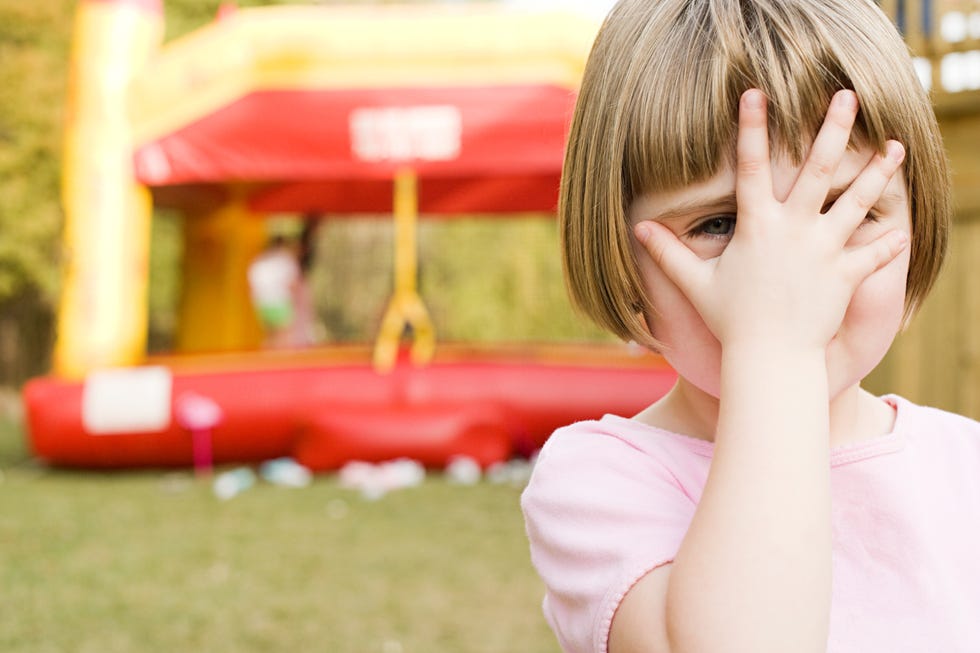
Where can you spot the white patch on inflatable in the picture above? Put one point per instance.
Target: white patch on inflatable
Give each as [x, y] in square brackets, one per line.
[419, 133]
[131, 400]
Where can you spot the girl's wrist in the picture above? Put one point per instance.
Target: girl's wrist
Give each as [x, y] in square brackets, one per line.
[772, 348]
[774, 364]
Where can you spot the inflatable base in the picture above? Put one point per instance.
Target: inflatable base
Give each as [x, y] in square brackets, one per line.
[329, 406]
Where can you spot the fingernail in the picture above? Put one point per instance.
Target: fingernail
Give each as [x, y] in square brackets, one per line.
[895, 151]
[752, 99]
[846, 99]
[642, 232]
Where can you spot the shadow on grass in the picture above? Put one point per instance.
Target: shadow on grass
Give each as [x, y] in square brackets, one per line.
[13, 445]
[13, 448]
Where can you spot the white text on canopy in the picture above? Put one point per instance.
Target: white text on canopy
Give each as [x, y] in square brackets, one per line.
[420, 133]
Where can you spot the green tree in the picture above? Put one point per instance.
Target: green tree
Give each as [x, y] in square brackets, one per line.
[34, 42]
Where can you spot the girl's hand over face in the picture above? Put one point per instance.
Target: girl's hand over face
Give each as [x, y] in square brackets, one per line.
[786, 278]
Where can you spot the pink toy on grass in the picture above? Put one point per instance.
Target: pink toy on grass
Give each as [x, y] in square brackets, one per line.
[199, 415]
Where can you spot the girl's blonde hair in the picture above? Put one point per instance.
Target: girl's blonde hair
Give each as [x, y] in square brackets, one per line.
[657, 110]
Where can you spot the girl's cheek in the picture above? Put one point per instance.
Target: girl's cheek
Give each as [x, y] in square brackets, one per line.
[706, 248]
[881, 297]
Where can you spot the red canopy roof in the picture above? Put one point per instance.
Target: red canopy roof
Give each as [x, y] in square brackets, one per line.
[476, 149]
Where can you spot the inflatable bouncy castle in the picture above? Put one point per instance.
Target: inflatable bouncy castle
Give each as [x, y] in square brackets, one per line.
[336, 111]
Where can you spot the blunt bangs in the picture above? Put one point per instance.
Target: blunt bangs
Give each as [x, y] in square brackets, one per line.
[680, 120]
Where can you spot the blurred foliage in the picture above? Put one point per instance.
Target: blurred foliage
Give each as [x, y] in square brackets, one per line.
[183, 16]
[34, 41]
[497, 279]
[165, 255]
[483, 279]
[33, 67]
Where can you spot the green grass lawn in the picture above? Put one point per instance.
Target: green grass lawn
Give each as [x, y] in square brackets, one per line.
[152, 561]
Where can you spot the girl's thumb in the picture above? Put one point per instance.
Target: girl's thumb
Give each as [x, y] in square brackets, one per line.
[678, 262]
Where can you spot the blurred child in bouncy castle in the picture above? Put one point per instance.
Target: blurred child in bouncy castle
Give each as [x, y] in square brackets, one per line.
[280, 291]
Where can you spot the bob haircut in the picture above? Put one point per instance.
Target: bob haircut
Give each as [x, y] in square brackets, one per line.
[657, 110]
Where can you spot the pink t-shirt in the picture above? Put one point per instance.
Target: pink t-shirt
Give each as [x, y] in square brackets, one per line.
[610, 500]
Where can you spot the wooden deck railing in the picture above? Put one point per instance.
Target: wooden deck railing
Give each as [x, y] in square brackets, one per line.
[937, 361]
[946, 35]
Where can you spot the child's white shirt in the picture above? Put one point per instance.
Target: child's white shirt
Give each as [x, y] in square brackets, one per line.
[610, 500]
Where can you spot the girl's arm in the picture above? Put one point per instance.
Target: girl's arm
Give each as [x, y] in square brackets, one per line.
[753, 573]
[754, 570]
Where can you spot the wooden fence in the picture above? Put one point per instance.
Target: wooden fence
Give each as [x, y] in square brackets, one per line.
[937, 360]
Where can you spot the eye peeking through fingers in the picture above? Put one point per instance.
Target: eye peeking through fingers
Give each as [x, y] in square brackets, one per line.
[865, 231]
[869, 218]
[717, 227]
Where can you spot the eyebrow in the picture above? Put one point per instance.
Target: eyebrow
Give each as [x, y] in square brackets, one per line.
[728, 202]
[686, 209]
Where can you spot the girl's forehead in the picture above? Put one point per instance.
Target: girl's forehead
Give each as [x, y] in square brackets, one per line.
[785, 172]
[854, 162]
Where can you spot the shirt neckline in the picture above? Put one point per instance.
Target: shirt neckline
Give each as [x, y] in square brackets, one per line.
[840, 455]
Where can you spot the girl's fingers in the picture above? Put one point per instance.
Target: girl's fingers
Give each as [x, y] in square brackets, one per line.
[853, 206]
[870, 258]
[753, 179]
[814, 181]
[682, 266]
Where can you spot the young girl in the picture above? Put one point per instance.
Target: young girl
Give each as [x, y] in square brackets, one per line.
[757, 190]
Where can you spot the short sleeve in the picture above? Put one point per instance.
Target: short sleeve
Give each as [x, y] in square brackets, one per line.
[600, 514]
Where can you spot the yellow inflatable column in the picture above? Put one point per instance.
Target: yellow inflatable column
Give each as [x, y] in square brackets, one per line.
[405, 309]
[102, 317]
[216, 312]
